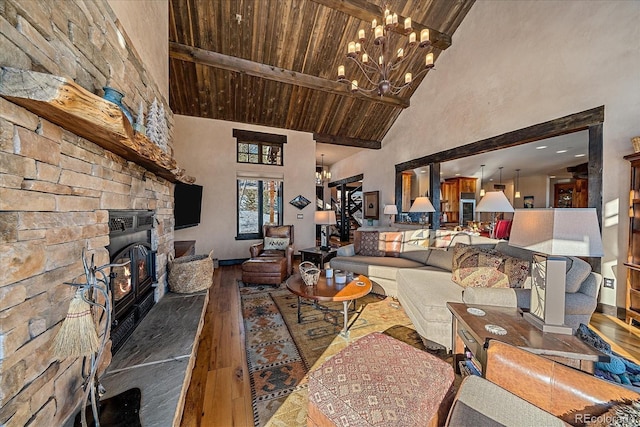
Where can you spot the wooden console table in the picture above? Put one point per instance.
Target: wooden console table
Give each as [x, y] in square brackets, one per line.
[469, 331]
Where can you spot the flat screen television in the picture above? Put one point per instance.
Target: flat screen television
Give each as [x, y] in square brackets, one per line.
[187, 205]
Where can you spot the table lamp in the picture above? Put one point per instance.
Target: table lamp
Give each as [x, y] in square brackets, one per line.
[422, 204]
[493, 202]
[553, 234]
[390, 210]
[324, 219]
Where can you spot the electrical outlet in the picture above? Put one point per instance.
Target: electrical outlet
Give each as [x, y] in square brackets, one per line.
[609, 283]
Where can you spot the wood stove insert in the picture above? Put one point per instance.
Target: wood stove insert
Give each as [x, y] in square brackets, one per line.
[131, 285]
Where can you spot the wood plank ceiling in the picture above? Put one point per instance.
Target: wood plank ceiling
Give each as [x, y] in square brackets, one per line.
[274, 62]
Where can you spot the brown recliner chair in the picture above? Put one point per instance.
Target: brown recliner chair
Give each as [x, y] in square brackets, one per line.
[280, 231]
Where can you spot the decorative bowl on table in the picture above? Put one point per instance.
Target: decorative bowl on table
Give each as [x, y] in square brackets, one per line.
[310, 273]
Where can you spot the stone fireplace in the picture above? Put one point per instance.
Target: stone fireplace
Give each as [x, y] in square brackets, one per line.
[57, 190]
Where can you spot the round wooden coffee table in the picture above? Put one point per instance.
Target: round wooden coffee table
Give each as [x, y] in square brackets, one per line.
[327, 290]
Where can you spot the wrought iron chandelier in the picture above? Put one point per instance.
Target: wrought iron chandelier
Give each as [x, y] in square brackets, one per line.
[387, 62]
[323, 175]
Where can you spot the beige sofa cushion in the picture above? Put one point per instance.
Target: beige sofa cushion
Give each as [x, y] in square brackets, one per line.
[385, 267]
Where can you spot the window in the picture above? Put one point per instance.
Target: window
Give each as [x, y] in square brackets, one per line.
[259, 148]
[259, 203]
[260, 152]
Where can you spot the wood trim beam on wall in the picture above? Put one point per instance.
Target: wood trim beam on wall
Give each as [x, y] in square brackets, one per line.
[347, 141]
[239, 65]
[252, 136]
[349, 180]
[366, 11]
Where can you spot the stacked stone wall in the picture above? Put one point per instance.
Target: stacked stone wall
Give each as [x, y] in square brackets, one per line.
[55, 192]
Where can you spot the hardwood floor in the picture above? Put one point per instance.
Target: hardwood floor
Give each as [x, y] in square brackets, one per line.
[220, 393]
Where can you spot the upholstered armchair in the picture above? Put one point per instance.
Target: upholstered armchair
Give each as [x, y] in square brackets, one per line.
[278, 242]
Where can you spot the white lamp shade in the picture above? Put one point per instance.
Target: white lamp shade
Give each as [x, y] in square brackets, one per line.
[422, 204]
[494, 201]
[390, 210]
[569, 231]
[324, 217]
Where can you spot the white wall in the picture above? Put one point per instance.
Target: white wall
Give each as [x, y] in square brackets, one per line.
[518, 63]
[207, 149]
[146, 22]
[535, 186]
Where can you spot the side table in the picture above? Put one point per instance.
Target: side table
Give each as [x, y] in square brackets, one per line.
[469, 332]
[317, 256]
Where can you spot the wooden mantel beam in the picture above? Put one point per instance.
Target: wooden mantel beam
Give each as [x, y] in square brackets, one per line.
[366, 11]
[345, 140]
[269, 72]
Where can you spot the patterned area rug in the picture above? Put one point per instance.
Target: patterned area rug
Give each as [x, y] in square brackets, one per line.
[280, 350]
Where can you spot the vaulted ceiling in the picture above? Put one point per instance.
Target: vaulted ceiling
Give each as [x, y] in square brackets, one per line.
[274, 62]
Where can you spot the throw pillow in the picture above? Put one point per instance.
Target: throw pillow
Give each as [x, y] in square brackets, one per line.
[277, 243]
[417, 238]
[478, 267]
[517, 270]
[347, 250]
[481, 277]
[391, 243]
[369, 244]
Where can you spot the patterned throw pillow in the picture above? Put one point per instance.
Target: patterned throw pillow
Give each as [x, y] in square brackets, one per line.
[517, 270]
[477, 267]
[390, 243]
[369, 244]
[277, 243]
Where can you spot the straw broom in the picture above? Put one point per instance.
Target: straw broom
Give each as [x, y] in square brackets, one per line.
[77, 337]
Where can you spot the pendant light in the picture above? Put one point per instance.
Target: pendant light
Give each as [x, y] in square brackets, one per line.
[517, 195]
[481, 180]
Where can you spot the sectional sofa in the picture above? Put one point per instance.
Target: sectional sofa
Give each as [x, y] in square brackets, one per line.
[425, 272]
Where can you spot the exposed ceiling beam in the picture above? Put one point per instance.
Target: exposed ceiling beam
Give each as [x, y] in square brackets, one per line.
[269, 72]
[345, 140]
[366, 11]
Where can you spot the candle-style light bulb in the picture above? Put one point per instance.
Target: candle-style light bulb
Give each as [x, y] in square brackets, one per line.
[407, 78]
[354, 86]
[412, 38]
[407, 24]
[424, 38]
[400, 53]
[429, 60]
[351, 49]
[395, 19]
[358, 47]
[341, 71]
[388, 19]
[381, 60]
[361, 35]
[365, 58]
[374, 24]
[378, 33]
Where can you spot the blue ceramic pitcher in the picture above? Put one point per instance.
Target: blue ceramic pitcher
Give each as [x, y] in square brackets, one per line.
[115, 96]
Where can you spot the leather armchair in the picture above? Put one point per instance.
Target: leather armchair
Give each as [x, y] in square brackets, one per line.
[566, 393]
[282, 231]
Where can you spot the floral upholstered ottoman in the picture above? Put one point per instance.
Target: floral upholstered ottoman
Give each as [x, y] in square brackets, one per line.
[380, 381]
